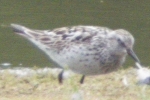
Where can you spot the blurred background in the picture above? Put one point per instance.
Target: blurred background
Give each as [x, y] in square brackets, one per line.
[132, 15]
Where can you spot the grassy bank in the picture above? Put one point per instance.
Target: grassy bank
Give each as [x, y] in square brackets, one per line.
[46, 87]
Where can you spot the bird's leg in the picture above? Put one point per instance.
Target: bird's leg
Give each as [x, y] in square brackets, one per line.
[82, 79]
[60, 77]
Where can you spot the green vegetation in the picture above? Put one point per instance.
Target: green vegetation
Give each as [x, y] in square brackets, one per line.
[46, 87]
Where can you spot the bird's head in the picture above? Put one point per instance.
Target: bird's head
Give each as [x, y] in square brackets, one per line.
[125, 40]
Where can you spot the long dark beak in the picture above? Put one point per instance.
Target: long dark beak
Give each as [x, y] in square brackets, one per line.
[133, 55]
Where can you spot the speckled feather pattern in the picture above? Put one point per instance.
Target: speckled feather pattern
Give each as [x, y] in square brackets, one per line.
[88, 50]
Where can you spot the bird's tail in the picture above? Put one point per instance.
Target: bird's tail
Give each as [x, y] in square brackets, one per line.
[26, 32]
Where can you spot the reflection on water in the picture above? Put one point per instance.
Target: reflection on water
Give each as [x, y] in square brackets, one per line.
[47, 14]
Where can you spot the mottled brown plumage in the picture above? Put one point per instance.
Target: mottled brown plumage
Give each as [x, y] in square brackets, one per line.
[87, 50]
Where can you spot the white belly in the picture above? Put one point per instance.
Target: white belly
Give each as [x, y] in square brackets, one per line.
[82, 61]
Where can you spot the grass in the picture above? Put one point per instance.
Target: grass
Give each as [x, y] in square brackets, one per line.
[46, 87]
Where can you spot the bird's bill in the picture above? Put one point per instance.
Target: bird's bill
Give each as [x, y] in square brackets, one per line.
[133, 55]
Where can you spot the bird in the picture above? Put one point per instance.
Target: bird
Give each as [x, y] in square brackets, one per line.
[84, 49]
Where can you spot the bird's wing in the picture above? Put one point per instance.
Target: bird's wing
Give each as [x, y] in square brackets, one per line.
[61, 37]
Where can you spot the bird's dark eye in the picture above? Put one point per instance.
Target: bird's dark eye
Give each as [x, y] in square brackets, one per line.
[121, 42]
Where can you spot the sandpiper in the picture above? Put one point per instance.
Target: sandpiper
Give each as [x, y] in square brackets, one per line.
[87, 50]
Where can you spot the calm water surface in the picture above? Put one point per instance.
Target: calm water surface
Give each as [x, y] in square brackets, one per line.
[132, 15]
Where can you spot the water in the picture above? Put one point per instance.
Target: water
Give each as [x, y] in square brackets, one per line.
[132, 15]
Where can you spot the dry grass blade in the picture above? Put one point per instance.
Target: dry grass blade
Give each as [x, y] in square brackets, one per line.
[105, 87]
